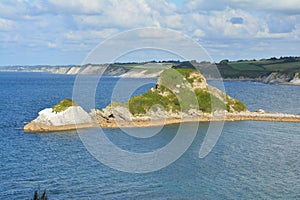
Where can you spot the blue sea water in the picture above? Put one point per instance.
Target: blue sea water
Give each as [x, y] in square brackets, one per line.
[251, 160]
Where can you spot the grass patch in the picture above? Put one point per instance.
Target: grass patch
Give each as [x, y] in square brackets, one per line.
[139, 105]
[208, 102]
[246, 66]
[283, 66]
[63, 105]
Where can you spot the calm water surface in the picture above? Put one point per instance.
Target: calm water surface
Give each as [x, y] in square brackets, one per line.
[252, 160]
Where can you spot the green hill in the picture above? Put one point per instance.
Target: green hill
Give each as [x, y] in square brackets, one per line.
[183, 90]
[259, 68]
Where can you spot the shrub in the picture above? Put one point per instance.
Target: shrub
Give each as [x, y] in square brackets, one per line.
[63, 105]
[236, 105]
[142, 103]
[239, 106]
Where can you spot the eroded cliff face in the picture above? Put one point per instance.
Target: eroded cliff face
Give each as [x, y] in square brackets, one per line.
[296, 79]
[282, 78]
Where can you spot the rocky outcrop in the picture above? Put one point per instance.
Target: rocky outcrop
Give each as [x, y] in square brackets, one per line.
[73, 70]
[296, 79]
[179, 93]
[71, 118]
[277, 77]
[282, 78]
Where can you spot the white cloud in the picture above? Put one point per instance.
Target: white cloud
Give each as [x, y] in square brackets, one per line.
[89, 35]
[51, 44]
[81, 24]
[121, 14]
[199, 33]
[129, 14]
[220, 24]
[6, 25]
[174, 21]
[79, 6]
[285, 6]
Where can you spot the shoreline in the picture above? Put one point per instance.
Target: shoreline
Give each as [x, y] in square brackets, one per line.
[35, 127]
[228, 117]
[142, 123]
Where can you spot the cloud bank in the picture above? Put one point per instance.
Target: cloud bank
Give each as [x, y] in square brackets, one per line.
[63, 32]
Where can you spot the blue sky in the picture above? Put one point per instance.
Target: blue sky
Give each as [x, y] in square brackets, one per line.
[58, 32]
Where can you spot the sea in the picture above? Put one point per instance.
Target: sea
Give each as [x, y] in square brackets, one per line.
[251, 159]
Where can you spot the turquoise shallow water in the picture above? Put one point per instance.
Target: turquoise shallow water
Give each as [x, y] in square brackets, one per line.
[252, 160]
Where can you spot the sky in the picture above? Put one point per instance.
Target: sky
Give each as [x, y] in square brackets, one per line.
[60, 32]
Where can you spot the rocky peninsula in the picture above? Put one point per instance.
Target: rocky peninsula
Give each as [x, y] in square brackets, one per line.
[180, 95]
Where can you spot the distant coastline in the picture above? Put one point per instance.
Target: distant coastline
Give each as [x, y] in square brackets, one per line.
[284, 70]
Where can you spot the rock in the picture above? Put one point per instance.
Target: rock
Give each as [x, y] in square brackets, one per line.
[122, 113]
[72, 115]
[71, 118]
[157, 112]
[194, 112]
[260, 111]
[296, 79]
[198, 80]
[277, 77]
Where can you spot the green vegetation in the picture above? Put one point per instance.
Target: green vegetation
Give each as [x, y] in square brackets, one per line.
[63, 105]
[170, 77]
[235, 105]
[207, 102]
[141, 104]
[246, 66]
[258, 68]
[174, 92]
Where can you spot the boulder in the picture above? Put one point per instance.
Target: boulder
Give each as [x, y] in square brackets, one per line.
[71, 118]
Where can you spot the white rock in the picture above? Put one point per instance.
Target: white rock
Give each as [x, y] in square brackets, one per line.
[70, 116]
[122, 113]
[260, 111]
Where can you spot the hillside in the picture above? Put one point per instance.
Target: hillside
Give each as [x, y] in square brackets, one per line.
[273, 70]
[183, 90]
